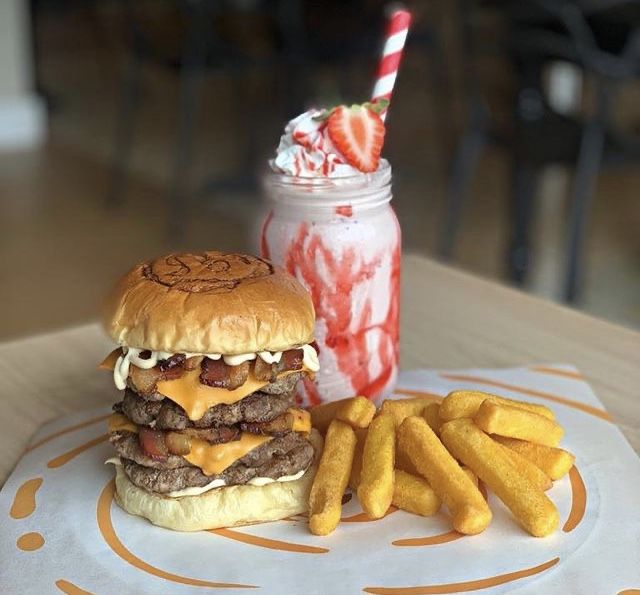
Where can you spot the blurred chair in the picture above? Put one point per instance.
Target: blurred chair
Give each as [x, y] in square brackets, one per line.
[304, 36]
[196, 51]
[600, 37]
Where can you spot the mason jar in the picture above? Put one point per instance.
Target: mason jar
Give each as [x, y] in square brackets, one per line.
[341, 239]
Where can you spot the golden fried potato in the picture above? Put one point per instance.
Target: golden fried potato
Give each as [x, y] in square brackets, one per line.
[414, 494]
[555, 462]
[401, 408]
[378, 457]
[472, 476]
[525, 467]
[322, 415]
[330, 482]
[357, 412]
[517, 423]
[356, 467]
[469, 510]
[465, 403]
[431, 413]
[531, 507]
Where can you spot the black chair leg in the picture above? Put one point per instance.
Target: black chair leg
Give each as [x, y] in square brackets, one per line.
[464, 164]
[124, 128]
[190, 77]
[586, 174]
[524, 182]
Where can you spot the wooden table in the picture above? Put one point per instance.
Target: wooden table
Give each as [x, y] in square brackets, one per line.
[449, 320]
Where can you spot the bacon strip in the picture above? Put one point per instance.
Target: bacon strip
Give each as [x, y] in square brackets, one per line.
[291, 360]
[217, 373]
[213, 372]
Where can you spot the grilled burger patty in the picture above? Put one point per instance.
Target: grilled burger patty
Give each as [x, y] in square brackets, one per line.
[167, 415]
[284, 455]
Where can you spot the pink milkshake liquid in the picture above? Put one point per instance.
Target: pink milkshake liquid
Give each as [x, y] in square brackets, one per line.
[340, 237]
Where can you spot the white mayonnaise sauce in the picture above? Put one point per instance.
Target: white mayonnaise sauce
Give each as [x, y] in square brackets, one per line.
[131, 355]
[219, 483]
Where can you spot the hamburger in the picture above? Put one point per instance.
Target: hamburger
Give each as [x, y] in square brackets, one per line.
[210, 349]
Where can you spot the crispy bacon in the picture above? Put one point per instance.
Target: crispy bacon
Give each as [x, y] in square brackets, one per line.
[145, 381]
[193, 362]
[174, 361]
[290, 360]
[217, 373]
[278, 426]
[153, 443]
[215, 435]
[264, 371]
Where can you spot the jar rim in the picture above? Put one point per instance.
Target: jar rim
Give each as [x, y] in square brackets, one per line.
[360, 188]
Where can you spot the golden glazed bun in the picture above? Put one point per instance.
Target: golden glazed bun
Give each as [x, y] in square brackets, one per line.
[210, 302]
[228, 506]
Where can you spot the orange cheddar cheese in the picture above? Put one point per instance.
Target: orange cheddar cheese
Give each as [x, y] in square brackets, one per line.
[215, 458]
[118, 423]
[195, 398]
[301, 420]
[109, 362]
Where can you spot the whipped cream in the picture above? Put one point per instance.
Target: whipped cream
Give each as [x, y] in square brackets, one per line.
[131, 355]
[306, 150]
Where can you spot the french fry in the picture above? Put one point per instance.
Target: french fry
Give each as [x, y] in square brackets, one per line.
[531, 507]
[322, 415]
[402, 408]
[356, 467]
[472, 476]
[375, 491]
[465, 403]
[330, 482]
[468, 508]
[432, 414]
[414, 494]
[525, 467]
[403, 461]
[517, 423]
[555, 462]
[357, 412]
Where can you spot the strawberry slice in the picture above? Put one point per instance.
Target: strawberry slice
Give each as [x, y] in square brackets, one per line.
[358, 133]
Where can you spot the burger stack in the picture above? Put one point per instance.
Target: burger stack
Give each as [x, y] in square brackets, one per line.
[211, 349]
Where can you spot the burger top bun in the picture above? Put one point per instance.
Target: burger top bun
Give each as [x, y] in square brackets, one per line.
[209, 302]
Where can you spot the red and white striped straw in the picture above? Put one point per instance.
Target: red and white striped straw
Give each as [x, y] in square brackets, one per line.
[395, 36]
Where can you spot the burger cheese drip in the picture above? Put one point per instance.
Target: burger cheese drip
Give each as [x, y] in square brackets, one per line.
[146, 360]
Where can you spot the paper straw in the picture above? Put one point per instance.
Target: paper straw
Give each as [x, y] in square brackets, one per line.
[395, 36]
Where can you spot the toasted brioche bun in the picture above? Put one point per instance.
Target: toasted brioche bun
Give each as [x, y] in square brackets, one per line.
[221, 507]
[210, 302]
[228, 506]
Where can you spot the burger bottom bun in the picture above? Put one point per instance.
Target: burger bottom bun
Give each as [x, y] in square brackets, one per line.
[228, 506]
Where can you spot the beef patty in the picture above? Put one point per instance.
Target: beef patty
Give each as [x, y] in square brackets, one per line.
[284, 455]
[167, 415]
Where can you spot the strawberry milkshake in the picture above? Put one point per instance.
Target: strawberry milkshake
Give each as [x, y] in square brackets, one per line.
[330, 223]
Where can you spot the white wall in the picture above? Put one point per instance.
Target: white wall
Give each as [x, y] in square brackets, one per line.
[22, 114]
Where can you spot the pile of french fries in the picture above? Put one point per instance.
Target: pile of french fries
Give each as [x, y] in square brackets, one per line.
[416, 455]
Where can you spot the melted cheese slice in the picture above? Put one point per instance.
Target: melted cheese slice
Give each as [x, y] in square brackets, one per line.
[211, 458]
[118, 423]
[109, 362]
[301, 420]
[215, 458]
[195, 398]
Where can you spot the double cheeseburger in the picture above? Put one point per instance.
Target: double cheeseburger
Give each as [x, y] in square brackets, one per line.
[211, 348]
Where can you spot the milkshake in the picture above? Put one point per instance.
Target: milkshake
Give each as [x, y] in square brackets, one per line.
[331, 225]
